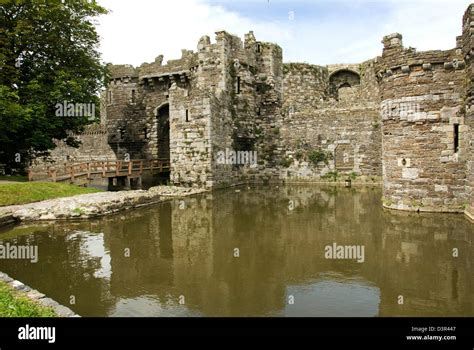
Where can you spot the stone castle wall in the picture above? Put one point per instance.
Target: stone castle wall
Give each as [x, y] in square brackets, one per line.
[332, 112]
[93, 146]
[238, 96]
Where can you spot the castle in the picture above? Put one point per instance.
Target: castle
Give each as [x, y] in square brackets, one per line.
[404, 117]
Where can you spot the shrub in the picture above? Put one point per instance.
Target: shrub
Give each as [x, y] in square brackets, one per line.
[316, 156]
[286, 162]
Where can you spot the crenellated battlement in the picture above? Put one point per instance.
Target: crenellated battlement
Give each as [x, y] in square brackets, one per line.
[122, 71]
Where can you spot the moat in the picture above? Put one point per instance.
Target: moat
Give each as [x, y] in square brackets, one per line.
[256, 251]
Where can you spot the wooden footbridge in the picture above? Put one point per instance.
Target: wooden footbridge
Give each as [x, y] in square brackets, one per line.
[113, 170]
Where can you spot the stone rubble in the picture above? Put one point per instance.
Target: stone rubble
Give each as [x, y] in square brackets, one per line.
[92, 205]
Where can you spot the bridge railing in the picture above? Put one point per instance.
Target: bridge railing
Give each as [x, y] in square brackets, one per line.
[103, 168]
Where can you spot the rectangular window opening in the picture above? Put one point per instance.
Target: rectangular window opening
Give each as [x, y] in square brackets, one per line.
[145, 131]
[456, 138]
[187, 115]
[133, 96]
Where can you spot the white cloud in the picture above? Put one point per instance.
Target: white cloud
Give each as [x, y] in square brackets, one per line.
[428, 25]
[138, 31]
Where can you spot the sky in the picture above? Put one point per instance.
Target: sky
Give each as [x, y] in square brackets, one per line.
[313, 31]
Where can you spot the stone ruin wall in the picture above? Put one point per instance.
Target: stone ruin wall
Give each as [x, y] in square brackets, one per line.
[332, 110]
[94, 146]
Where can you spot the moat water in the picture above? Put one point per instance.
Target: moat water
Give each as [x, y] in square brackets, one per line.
[258, 252]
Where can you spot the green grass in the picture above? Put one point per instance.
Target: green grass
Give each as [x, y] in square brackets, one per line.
[13, 304]
[16, 178]
[29, 192]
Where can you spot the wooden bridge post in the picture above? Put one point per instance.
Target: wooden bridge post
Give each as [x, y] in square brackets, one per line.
[130, 164]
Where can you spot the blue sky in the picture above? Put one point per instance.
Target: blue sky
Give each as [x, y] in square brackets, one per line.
[320, 32]
[277, 10]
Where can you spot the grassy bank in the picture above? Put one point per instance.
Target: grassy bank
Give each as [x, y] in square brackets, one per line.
[29, 192]
[13, 304]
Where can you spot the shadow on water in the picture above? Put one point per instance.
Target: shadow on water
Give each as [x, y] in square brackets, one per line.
[178, 258]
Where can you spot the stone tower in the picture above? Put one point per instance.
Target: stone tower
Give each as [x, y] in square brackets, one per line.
[424, 136]
[191, 109]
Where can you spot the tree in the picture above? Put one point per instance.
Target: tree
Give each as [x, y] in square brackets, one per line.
[48, 56]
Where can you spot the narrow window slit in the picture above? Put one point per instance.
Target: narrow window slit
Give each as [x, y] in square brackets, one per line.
[456, 138]
[237, 87]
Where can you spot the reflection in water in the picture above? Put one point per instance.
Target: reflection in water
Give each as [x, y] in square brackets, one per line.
[177, 259]
[323, 298]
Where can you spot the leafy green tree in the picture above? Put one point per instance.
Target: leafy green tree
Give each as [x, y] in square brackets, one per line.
[48, 55]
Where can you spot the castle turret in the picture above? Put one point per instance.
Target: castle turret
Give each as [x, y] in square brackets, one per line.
[424, 141]
[121, 102]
